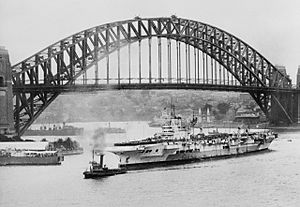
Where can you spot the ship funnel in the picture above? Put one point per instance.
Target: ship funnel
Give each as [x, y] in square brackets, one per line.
[101, 160]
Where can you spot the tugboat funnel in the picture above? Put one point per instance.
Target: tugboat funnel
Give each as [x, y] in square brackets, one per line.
[101, 160]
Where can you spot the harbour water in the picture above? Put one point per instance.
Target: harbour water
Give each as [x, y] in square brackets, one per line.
[265, 179]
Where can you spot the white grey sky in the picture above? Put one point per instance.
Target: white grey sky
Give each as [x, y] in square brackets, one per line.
[270, 26]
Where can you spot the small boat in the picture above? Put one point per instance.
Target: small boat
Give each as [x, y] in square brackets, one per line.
[112, 130]
[55, 130]
[30, 157]
[97, 170]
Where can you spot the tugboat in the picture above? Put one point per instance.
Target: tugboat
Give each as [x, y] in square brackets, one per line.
[97, 170]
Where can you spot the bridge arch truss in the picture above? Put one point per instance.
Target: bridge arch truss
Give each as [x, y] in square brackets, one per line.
[188, 55]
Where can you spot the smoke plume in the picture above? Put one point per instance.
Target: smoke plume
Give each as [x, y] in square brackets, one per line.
[98, 140]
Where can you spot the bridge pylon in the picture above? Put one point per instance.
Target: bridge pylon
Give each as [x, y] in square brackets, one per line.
[285, 108]
[6, 94]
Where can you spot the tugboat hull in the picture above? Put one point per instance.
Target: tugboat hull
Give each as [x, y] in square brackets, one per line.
[103, 173]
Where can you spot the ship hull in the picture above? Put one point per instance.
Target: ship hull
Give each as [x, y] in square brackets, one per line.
[188, 155]
[168, 163]
[30, 161]
[219, 151]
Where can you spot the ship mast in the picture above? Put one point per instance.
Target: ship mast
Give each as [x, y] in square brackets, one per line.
[93, 156]
[172, 108]
[193, 125]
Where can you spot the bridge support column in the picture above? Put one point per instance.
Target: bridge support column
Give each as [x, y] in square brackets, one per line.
[297, 106]
[285, 108]
[6, 95]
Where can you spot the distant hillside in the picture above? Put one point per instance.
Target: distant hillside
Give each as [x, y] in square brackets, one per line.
[136, 105]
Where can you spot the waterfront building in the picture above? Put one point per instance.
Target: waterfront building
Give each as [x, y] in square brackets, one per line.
[205, 115]
[281, 68]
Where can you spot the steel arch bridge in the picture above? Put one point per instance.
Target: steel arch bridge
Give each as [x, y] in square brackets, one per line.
[180, 54]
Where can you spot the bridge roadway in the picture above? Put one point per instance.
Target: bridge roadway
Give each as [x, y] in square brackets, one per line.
[147, 86]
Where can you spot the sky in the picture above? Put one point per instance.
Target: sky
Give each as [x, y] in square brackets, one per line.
[272, 27]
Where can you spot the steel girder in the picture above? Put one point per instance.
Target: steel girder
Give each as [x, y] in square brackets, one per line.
[64, 61]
